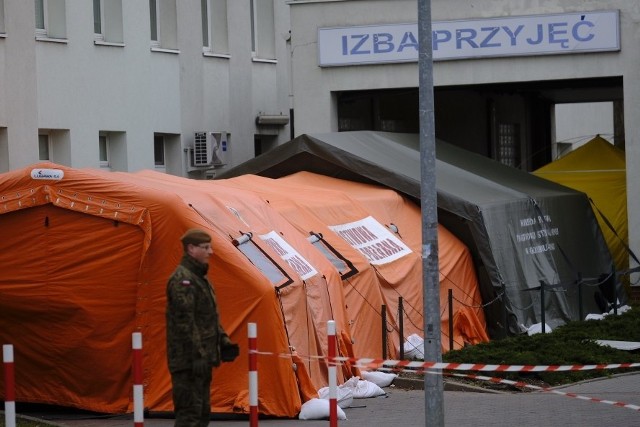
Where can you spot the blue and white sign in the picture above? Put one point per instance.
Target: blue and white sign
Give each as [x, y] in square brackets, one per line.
[477, 38]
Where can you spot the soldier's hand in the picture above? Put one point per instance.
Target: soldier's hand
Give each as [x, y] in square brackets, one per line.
[199, 367]
[229, 352]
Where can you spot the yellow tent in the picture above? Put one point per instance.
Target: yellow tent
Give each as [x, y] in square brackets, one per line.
[598, 169]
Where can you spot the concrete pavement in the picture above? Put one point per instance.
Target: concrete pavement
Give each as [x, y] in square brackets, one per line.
[404, 407]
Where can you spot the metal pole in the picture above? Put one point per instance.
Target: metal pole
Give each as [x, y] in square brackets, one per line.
[450, 319]
[433, 387]
[542, 317]
[615, 291]
[384, 330]
[504, 310]
[580, 310]
[401, 327]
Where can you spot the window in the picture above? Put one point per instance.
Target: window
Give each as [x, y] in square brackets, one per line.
[107, 22]
[153, 13]
[97, 17]
[103, 149]
[44, 147]
[2, 29]
[509, 144]
[262, 261]
[215, 37]
[343, 265]
[41, 18]
[158, 150]
[51, 21]
[163, 25]
[263, 43]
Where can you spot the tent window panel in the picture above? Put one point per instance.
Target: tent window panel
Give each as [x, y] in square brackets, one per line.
[262, 262]
[344, 267]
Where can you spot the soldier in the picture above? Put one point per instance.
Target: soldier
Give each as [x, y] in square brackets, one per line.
[195, 337]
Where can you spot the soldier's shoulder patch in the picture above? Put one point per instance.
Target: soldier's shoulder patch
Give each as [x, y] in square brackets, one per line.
[186, 283]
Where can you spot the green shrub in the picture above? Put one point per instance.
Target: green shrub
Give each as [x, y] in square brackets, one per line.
[570, 344]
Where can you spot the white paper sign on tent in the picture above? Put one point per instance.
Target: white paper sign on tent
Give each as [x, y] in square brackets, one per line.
[373, 240]
[289, 255]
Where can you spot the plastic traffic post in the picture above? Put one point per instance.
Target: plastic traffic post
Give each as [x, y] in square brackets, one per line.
[138, 391]
[253, 374]
[333, 387]
[9, 386]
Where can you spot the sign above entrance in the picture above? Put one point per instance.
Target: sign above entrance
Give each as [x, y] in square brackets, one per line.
[474, 38]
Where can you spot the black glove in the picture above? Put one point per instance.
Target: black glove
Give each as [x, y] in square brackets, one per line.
[229, 352]
[199, 367]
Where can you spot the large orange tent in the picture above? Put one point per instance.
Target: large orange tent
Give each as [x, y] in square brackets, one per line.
[88, 253]
[102, 246]
[333, 201]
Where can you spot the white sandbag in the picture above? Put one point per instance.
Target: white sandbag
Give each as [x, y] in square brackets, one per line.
[318, 409]
[351, 382]
[414, 347]
[381, 379]
[366, 389]
[594, 316]
[344, 395]
[537, 328]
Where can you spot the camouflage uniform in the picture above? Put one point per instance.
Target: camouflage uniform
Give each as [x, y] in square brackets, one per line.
[193, 333]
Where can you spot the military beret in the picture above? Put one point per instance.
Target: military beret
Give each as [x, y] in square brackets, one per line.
[195, 236]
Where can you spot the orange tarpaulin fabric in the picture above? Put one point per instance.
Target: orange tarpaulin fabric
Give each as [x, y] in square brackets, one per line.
[88, 254]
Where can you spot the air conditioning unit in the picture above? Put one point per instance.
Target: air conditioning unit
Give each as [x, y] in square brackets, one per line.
[209, 149]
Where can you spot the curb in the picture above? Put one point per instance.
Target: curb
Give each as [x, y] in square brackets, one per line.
[33, 420]
[448, 385]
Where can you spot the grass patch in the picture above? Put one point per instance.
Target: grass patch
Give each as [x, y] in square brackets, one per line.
[570, 344]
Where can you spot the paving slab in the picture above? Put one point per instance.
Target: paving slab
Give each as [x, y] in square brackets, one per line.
[404, 407]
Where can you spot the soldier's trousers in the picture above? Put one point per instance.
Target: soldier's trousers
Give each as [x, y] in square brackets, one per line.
[191, 399]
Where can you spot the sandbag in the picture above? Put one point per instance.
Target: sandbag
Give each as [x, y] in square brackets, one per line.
[318, 409]
[344, 395]
[381, 379]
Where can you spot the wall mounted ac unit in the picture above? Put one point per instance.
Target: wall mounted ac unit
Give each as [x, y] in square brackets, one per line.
[209, 149]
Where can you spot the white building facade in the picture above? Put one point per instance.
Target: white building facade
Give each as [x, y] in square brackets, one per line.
[500, 69]
[126, 85]
[187, 87]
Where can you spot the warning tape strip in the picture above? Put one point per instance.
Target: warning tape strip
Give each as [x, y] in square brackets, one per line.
[430, 367]
[399, 365]
[521, 384]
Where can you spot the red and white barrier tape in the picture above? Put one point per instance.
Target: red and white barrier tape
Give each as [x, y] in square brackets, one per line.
[521, 384]
[400, 365]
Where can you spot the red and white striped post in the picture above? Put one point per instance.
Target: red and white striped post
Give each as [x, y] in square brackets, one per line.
[253, 374]
[333, 386]
[9, 386]
[138, 391]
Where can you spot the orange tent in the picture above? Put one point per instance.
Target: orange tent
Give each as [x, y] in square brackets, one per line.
[333, 201]
[105, 244]
[454, 261]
